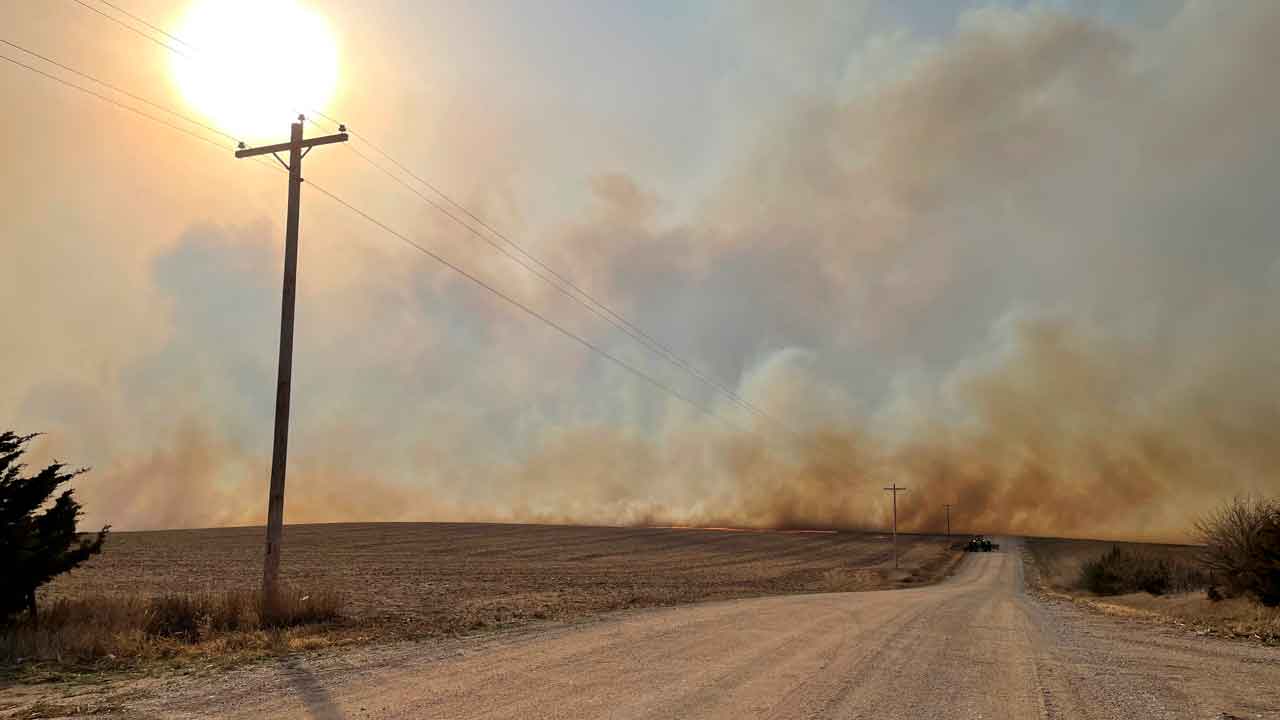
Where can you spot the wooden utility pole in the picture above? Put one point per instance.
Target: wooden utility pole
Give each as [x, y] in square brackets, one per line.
[895, 490]
[948, 506]
[298, 149]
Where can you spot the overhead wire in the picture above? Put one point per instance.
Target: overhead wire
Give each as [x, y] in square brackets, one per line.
[155, 28]
[117, 103]
[542, 271]
[122, 91]
[152, 38]
[524, 307]
[130, 28]
[476, 280]
[562, 283]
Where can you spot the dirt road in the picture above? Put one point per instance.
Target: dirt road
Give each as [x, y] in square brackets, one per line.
[973, 647]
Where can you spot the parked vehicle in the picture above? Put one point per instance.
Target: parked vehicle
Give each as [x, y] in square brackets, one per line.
[980, 544]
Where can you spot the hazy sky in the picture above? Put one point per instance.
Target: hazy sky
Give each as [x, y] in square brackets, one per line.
[1020, 256]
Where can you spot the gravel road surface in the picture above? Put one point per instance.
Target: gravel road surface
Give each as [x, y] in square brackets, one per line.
[975, 646]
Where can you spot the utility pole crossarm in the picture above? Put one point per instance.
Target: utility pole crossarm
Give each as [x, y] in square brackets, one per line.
[282, 147]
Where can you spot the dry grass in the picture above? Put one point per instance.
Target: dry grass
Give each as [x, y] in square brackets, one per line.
[1060, 562]
[427, 579]
[1119, 571]
[1057, 566]
[1234, 617]
[87, 630]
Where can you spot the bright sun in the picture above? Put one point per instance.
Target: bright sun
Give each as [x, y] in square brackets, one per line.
[253, 65]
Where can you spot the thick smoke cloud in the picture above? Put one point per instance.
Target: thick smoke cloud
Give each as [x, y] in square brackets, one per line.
[1029, 268]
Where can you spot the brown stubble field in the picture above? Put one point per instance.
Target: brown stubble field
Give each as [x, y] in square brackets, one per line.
[423, 579]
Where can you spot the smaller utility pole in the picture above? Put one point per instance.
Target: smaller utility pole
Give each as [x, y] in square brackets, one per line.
[948, 506]
[895, 490]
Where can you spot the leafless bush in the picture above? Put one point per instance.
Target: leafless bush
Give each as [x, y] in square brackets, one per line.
[1121, 570]
[1242, 548]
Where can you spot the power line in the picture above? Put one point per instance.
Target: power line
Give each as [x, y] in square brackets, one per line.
[420, 248]
[634, 334]
[122, 91]
[525, 308]
[177, 51]
[563, 284]
[105, 98]
[113, 101]
[133, 29]
[155, 28]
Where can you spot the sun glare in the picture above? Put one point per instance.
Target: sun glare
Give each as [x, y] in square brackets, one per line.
[252, 65]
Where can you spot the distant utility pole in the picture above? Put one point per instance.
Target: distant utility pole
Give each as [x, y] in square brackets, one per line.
[298, 149]
[895, 490]
[948, 506]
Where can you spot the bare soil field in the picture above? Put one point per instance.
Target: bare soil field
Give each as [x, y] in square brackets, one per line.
[446, 577]
[1055, 568]
[418, 580]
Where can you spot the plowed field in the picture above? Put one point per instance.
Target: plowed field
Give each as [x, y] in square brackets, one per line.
[428, 578]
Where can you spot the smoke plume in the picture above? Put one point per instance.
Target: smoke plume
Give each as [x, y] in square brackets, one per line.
[1029, 267]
